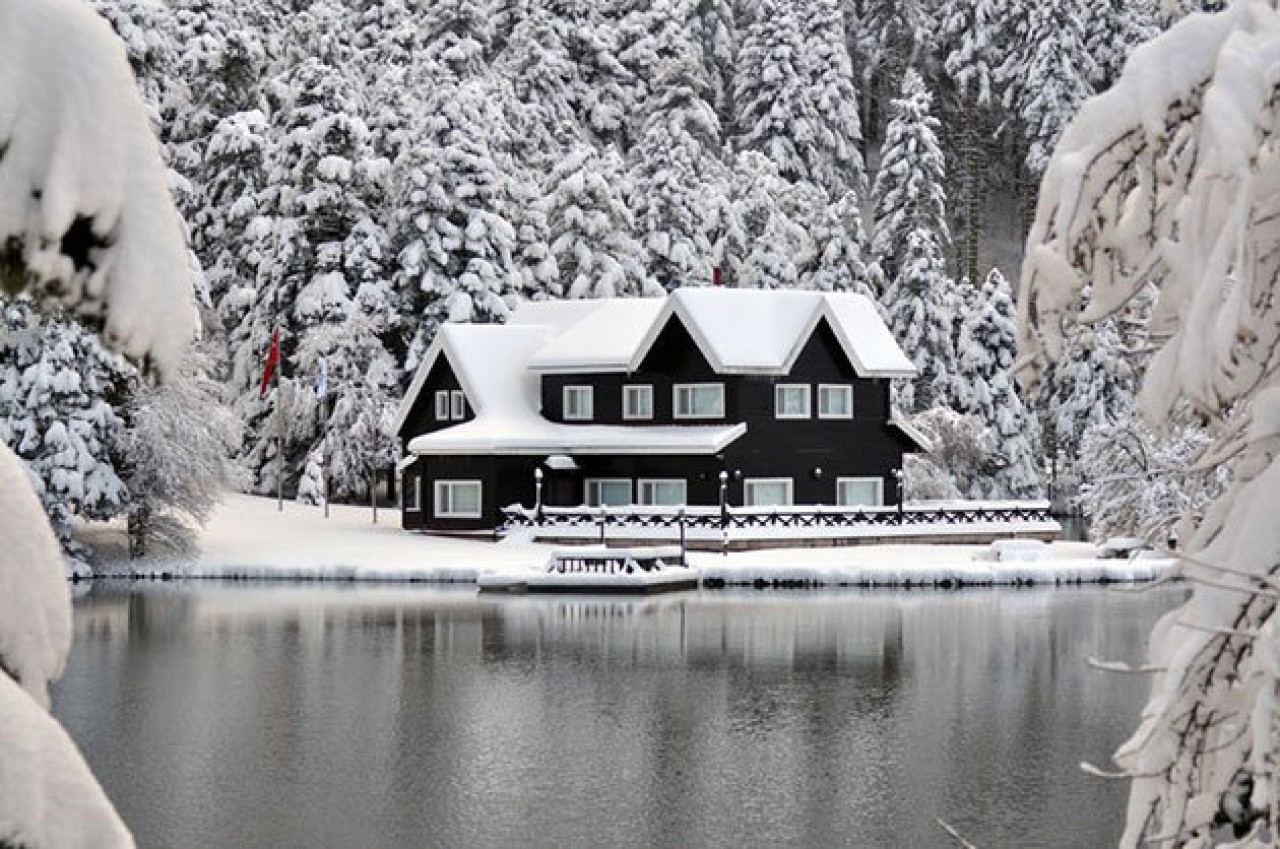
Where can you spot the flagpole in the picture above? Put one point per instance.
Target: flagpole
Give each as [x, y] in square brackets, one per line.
[279, 420]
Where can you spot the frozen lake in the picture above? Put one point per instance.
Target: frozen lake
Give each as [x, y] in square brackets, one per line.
[325, 716]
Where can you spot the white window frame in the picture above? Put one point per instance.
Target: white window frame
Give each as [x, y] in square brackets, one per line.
[780, 388]
[844, 389]
[636, 390]
[411, 493]
[652, 483]
[442, 405]
[589, 482]
[690, 388]
[748, 482]
[582, 391]
[440, 486]
[457, 405]
[879, 484]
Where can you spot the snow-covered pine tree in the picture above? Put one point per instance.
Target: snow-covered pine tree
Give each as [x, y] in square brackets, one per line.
[675, 178]
[908, 195]
[795, 96]
[922, 309]
[985, 387]
[886, 37]
[1112, 29]
[593, 247]
[458, 35]
[58, 392]
[1046, 75]
[839, 243]
[766, 241]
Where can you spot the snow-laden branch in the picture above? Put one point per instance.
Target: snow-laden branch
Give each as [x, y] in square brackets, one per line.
[1173, 177]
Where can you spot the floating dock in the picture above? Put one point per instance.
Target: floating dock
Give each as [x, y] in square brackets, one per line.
[597, 569]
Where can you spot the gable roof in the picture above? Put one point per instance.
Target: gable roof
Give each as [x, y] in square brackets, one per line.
[739, 331]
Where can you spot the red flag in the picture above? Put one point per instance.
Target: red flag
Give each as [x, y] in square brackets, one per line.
[273, 359]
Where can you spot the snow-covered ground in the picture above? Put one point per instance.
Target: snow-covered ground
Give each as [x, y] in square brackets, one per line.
[248, 538]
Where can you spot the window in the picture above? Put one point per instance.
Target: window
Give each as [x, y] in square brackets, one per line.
[442, 405]
[637, 402]
[859, 492]
[608, 492]
[698, 400]
[457, 499]
[457, 405]
[791, 401]
[578, 404]
[670, 491]
[411, 493]
[835, 401]
[767, 492]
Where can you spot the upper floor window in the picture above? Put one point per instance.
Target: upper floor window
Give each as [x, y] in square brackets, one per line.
[442, 405]
[637, 402]
[578, 404]
[457, 405]
[698, 400]
[663, 491]
[835, 401]
[791, 401]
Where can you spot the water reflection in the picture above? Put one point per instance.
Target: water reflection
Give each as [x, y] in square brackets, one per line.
[318, 716]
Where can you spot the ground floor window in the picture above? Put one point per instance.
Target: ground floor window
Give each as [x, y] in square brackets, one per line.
[767, 492]
[457, 499]
[608, 492]
[859, 492]
[411, 493]
[663, 491]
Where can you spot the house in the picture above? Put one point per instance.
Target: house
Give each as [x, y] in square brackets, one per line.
[647, 401]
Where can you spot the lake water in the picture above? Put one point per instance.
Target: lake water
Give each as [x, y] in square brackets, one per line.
[320, 716]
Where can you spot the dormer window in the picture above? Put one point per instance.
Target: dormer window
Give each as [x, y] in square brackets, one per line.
[698, 400]
[637, 402]
[791, 401]
[457, 405]
[578, 404]
[442, 405]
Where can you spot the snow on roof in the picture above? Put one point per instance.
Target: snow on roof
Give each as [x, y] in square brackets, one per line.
[490, 363]
[533, 434]
[739, 331]
[605, 339]
[558, 315]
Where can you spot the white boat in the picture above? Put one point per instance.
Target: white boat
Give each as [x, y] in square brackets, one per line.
[597, 569]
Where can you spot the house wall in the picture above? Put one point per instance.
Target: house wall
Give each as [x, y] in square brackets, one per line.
[863, 446]
[422, 415]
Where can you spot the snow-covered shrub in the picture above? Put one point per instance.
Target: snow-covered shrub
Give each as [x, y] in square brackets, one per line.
[960, 456]
[1137, 480]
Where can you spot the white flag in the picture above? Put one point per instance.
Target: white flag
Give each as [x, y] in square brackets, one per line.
[322, 379]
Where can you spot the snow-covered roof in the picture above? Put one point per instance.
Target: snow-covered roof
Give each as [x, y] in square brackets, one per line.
[603, 339]
[739, 331]
[535, 435]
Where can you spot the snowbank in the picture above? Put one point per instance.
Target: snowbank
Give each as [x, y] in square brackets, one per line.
[248, 538]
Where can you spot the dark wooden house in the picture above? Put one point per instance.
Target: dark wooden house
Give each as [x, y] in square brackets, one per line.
[646, 401]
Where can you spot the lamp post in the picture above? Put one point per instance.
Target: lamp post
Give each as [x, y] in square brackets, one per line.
[897, 473]
[724, 512]
[537, 494]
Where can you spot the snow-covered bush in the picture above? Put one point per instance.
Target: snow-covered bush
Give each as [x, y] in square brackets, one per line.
[961, 451]
[1137, 480]
[1170, 177]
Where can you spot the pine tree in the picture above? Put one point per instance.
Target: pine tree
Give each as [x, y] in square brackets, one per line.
[1112, 29]
[591, 227]
[908, 192]
[839, 243]
[58, 393]
[675, 179]
[766, 241]
[795, 95]
[986, 388]
[922, 317]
